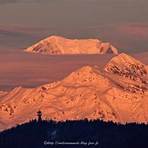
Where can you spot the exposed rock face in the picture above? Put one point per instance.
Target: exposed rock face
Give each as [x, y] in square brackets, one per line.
[128, 72]
[55, 45]
[86, 93]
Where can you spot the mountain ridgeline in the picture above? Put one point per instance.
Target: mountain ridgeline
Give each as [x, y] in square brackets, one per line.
[117, 93]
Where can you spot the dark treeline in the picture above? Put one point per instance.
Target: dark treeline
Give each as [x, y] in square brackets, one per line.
[102, 135]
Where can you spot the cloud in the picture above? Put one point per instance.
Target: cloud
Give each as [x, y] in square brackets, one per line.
[130, 36]
[22, 29]
[137, 30]
[8, 1]
[17, 37]
[21, 1]
[125, 36]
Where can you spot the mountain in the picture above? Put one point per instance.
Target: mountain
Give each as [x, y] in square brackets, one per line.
[117, 93]
[128, 72]
[56, 45]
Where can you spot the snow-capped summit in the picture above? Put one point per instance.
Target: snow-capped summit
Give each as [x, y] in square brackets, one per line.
[87, 75]
[123, 60]
[128, 72]
[57, 45]
[126, 65]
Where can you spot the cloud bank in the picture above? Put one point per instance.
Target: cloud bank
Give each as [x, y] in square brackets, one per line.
[21, 1]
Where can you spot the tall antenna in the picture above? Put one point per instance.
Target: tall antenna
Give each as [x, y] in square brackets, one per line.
[39, 114]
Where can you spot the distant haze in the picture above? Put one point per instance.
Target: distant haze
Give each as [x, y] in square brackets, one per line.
[124, 23]
[30, 70]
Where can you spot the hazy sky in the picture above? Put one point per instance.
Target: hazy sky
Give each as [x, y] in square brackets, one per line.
[122, 22]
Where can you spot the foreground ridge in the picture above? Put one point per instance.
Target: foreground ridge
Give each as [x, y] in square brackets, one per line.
[99, 133]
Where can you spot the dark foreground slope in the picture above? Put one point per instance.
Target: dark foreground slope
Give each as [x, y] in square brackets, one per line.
[75, 134]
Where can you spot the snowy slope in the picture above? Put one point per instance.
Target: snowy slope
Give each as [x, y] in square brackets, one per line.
[86, 93]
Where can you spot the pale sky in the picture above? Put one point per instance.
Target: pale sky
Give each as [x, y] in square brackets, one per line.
[122, 22]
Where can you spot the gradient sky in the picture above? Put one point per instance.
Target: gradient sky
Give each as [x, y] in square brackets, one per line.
[122, 22]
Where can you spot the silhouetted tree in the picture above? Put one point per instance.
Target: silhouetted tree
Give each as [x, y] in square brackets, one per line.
[107, 134]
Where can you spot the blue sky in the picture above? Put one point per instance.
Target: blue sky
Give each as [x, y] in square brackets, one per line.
[122, 22]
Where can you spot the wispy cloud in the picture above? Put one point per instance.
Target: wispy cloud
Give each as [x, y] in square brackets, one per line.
[125, 36]
[21, 1]
[137, 30]
[17, 37]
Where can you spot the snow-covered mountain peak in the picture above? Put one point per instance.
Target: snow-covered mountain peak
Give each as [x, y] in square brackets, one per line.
[128, 72]
[54, 45]
[124, 62]
[118, 94]
[124, 59]
[86, 74]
